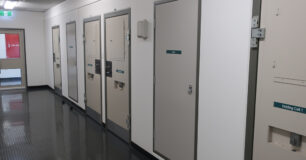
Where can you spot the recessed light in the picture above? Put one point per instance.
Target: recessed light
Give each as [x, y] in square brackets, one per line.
[2, 3]
[10, 4]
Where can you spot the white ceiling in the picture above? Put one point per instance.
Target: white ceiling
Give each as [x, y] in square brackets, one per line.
[35, 5]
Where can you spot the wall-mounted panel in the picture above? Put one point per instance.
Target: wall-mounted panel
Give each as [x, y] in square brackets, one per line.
[72, 68]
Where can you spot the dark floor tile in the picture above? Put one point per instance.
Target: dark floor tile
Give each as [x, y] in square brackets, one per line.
[36, 125]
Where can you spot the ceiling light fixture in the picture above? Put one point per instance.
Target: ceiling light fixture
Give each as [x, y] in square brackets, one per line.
[2, 2]
[10, 4]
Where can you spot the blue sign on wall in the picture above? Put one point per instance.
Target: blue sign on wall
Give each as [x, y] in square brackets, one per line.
[174, 52]
[290, 107]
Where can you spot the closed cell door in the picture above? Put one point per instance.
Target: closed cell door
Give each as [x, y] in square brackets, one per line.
[72, 67]
[92, 44]
[118, 75]
[56, 42]
[12, 59]
[280, 131]
[176, 51]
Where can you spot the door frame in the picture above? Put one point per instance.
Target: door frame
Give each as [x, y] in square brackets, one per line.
[112, 15]
[197, 76]
[252, 92]
[25, 58]
[86, 20]
[57, 91]
[76, 50]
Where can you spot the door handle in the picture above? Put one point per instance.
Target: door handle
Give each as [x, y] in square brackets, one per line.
[91, 76]
[190, 89]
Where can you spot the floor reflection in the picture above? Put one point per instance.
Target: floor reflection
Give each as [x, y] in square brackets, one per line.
[36, 125]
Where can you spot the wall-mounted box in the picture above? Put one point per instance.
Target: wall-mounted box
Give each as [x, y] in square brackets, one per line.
[142, 29]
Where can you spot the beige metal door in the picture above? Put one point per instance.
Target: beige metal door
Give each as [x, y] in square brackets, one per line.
[280, 132]
[118, 75]
[92, 45]
[12, 59]
[57, 59]
[72, 67]
[176, 44]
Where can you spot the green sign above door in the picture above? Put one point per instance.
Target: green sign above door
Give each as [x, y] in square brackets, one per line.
[5, 13]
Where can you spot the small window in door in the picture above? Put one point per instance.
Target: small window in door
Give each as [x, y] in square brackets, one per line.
[10, 77]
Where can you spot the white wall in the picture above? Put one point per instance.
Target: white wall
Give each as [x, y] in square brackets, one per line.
[33, 23]
[225, 48]
[142, 76]
[223, 71]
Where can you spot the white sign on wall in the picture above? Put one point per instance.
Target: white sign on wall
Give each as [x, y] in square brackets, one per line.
[2, 46]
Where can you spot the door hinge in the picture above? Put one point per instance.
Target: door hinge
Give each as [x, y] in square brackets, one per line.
[54, 57]
[128, 122]
[154, 25]
[85, 99]
[257, 32]
[84, 39]
[128, 36]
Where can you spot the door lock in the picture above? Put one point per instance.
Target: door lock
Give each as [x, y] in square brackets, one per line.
[190, 89]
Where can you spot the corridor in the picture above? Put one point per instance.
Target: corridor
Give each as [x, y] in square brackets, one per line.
[152, 79]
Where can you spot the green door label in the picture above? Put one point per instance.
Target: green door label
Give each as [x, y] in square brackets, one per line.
[120, 71]
[290, 107]
[174, 52]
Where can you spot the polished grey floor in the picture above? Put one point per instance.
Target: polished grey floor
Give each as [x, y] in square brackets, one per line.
[37, 125]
